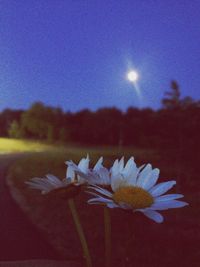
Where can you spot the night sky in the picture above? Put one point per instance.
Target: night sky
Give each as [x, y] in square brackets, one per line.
[75, 54]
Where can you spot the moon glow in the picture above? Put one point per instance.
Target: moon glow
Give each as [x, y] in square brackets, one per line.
[132, 76]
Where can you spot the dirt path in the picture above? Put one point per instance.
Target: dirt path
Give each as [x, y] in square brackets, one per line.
[19, 239]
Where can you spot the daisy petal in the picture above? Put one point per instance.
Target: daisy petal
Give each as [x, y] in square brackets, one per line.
[130, 169]
[112, 205]
[144, 175]
[100, 200]
[81, 174]
[121, 164]
[130, 165]
[92, 193]
[101, 191]
[53, 179]
[115, 168]
[43, 182]
[168, 197]
[35, 186]
[116, 181]
[153, 215]
[151, 181]
[84, 164]
[141, 167]
[72, 165]
[161, 188]
[98, 165]
[171, 204]
[132, 178]
[104, 176]
[70, 173]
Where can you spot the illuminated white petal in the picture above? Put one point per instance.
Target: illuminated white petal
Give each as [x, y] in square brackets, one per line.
[151, 181]
[130, 168]
[121, 164]
[153, 215]
[101, 191]
[161, 188]
[144, 175]
[168, 197]
[98, 165]
[43, 182]
[82, 176]
[99, 200]
[54, 180]
[115, 168]
[171, 204]
[84, 164]
[37, 186]
[104, 176]
[116, 182]
[70, 173]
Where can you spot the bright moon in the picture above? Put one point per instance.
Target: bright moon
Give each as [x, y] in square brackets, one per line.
[132, 76]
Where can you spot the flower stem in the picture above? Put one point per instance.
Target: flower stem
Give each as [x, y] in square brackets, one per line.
[80, 232]
[107, 225]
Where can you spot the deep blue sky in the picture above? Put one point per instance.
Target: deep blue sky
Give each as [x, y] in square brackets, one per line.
[75, 54]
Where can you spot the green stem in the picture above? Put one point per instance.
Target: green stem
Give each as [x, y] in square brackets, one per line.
[107, 225]
[80, 232]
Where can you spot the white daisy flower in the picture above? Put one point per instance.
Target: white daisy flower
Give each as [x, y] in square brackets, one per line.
[136, 189]
[51, 183]
[48, 184]
[98, 175]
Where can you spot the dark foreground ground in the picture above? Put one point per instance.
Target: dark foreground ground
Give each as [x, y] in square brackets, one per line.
[19, 239]
[136, 240]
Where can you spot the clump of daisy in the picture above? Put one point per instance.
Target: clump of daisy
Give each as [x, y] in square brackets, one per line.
[76, 175]
[136, 189]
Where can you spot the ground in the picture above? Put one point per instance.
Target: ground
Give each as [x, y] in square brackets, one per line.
[135, 239]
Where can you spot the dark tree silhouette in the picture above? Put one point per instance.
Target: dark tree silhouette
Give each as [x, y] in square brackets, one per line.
[14, 130]
[172, 98]
[7, 116]
[42, 121]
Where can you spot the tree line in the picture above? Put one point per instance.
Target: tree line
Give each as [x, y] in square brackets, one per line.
[176, 124]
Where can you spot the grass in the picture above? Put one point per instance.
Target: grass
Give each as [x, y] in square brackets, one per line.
[8, 145]
[136, 239]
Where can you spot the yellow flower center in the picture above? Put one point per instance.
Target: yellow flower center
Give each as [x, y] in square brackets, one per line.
[137, 197]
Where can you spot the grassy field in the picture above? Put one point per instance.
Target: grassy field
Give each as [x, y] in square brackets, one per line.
[136, 239]
[8, 145]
